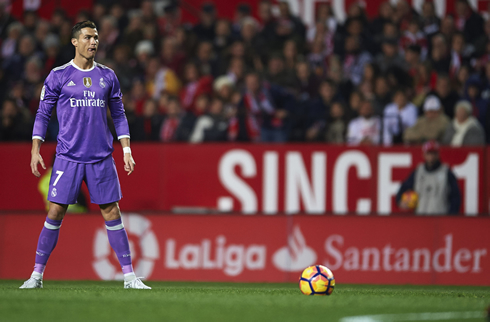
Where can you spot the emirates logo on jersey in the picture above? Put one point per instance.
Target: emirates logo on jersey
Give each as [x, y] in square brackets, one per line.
[87, 81]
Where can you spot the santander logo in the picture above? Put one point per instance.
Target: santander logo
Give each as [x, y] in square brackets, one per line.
[143, 244]
[296, 255]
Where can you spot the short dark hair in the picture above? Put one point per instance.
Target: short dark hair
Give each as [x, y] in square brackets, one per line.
[75, 31]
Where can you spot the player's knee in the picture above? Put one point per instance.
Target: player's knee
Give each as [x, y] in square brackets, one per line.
[110, 211]
[56, 211]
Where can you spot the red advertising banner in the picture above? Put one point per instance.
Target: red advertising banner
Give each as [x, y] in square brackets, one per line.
[373, 250]
[257, 178]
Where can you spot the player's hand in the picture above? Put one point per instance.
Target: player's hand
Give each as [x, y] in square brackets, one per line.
[129, 163]
[403, 205]
[35, 160]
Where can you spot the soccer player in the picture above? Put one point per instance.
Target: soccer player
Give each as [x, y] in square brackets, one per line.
[82, 90]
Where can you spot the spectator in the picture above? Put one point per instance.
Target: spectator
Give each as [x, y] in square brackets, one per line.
[9, 45]
[459, 54]
[435, 184]
[177, 125]
[5, 20]
[382, 95]
[266, 108]
[447, 27]
[413, 36]
[445, 94]
[236, 72]
[464, 129]
[440, 58]
[205, 29]
[171, 56]
[51, 46]
[390, 57]
[355, 100]
[319, 109]
[365, 129]
[430, 126]
[354, 60]
[152, 121]
[385, 15]
[468, 21]
[223, 88]
[306, 83]
[251, 40]
[134, 32]
[429, 19]
[289, 26]
[326, 15]
[479, 106]
[459, 84]
[242, 13]
[118, 12]
[212, 126]
[222, 38]
[109, 37]
[205, 58]
[14, 124]
[14, 67]
[170, 21]
[331, 129]
[195, 86]
[165, 80]
[30, 21]
[397, 117]
[277, 72]
[482, 42]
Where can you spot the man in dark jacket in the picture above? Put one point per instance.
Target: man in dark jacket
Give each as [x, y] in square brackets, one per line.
[435, 184]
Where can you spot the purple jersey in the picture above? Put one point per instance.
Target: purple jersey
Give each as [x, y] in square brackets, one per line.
[81, 98]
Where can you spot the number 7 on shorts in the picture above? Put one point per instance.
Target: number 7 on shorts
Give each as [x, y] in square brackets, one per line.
[59, 173]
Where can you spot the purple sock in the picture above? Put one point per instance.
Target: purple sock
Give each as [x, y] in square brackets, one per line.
[118, 238]
[46, 243]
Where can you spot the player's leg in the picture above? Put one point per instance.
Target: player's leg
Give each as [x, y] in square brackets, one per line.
[64, 187]
[118, 238]
[49, 235]
[103, 185]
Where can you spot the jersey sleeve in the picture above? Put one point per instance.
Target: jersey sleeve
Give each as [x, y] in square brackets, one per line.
[116, 108]
[49, 98]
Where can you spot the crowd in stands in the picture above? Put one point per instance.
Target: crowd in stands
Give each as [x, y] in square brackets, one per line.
[404, 77]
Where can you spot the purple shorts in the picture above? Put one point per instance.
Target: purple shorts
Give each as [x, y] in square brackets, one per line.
[101, 179]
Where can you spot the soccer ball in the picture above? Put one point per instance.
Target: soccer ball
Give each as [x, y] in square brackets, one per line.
[411, 198]
[316, 280]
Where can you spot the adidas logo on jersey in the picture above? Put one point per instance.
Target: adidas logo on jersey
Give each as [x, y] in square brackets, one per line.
[71, 83]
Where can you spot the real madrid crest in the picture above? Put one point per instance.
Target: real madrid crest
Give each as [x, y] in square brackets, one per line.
[87, 81]
[101, 83]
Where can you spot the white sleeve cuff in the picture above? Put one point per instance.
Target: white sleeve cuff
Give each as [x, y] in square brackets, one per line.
[123, 137]
[38, 137]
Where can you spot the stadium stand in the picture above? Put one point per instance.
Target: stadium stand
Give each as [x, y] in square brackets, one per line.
[265, 76]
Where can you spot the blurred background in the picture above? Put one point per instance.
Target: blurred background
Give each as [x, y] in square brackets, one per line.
[336, 107]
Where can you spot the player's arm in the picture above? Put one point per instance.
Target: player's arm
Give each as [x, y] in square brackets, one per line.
[128, 157]
[49, 99]
[405, 186]
[454, 197]
[116, 108]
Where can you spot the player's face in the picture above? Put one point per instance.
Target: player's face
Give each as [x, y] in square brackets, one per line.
[87, 43]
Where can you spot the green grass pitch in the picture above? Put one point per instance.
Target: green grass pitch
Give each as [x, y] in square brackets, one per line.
[190, 301]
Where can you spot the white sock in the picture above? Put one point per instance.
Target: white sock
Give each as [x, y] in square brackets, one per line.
[37, 275]
[129, 277]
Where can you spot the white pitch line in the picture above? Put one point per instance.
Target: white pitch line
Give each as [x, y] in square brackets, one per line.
[415, 317]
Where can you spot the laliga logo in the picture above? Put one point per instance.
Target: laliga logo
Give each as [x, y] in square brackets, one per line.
[296, 256]
[143, 259]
